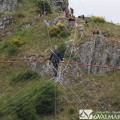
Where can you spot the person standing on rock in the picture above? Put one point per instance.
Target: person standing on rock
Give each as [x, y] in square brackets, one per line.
[55, 58]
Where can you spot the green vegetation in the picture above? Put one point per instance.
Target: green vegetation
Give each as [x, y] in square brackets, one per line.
[45, 104]
[24, 95]
[24, 75]
[71, 111]
[58, 30]
[33, 102]
[9, 49]
[98, 19]
[62, 48]
[43, 6]
[17, 41]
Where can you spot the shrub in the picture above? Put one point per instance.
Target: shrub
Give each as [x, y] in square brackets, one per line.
[71, 111]
[62, 48]
[43, 5]
[3, 45]
[98, 19]
[17, 41]
[20, 15]
[58, 30]
[25, 112]
[45, 103]
[1, 115]
[11, 50]
[38, 100]
[20, 1]
[61, 25]
[75, 118]
[25, 75]
[54, 31]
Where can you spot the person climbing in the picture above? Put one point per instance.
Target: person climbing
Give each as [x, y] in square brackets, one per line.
[96, 32]
[72, 11]
[67, 13]
[55, 58]
[82, 17]
[72, 21]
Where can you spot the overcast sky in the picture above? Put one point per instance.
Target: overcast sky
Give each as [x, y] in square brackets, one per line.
[110, 9]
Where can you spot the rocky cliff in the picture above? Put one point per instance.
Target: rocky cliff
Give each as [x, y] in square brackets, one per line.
[7, 5]
[99, 55]
[99, 51]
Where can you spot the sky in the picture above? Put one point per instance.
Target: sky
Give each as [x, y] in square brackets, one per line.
[110, 9]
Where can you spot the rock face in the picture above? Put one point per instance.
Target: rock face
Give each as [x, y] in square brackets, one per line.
[99, 51]
[5, 22]
[7, 5]
[6, 27]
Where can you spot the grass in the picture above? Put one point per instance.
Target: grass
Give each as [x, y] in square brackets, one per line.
[92, 90]
[28, 99]
[26, 75]
[97, 19]
[110, 29]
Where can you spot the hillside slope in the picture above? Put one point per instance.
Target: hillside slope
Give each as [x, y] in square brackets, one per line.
[80, 86]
